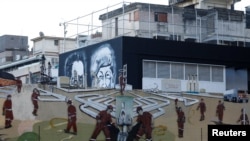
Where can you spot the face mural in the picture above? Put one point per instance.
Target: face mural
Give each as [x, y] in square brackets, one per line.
[103, 67]
[74, 69]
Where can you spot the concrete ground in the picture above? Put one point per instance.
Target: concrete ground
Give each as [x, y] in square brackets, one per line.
[194, 129]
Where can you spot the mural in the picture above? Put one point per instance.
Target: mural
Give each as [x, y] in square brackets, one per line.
[94, 67]
[103, 67]
[74, 68]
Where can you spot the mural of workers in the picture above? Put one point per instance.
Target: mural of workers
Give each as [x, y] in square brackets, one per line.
[103, 67]
[103, 121]
[145, 121]
[75, 69]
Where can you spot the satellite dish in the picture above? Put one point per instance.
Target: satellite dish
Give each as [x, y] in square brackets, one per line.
[41, 34]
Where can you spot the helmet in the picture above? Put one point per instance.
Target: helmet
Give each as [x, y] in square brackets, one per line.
[69, 101]
[179, 109]
[138, 109]
[110, 107]
[243, 110]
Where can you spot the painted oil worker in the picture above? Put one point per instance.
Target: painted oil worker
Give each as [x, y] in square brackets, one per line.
[122, 83]
[7, 112]
[145, 119]
[103, 120]
[181, 119]
[220, 111]
[34, 98]
[243, 119]
[19, 85]
[202, 108]
[71, 118]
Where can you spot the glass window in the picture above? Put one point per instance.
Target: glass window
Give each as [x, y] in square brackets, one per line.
[217, 74]
[136, 16]
[190, 69]
[163, 70]
[177, 71]
[161, 17]
[204, 73]
[149, 69]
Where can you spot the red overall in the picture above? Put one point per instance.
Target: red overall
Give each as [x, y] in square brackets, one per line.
[19, 85]
[202, 107]
[7, 111]
[243, 119]
[180, 122]
[122, 83]
[146, 128]
[103, 119]
[71, 118]
[34, 98]
[219, 111]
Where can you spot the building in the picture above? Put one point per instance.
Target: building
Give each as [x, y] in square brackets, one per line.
[13, 48]
[173, 48]
[215, 25]
[28, 69]
[204, 4]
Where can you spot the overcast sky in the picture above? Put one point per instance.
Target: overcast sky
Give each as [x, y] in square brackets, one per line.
[29, 17]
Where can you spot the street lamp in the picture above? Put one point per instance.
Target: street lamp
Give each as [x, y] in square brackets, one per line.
[64, 33]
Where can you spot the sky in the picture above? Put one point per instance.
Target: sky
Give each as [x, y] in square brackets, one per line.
[29, 17]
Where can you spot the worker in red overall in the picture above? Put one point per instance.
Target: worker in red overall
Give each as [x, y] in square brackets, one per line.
[71, 118]
[220, 111]
[34, 98]
[202, 107]
[145, 119]
[7, 111]
[122, 83]
[243, 119]
[19, 85]
[180, 121]
[103, 120]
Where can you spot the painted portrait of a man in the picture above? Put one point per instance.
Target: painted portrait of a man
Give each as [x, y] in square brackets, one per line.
[75, 69]
[103, 67]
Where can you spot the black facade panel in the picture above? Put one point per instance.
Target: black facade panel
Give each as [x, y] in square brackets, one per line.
[132, 51]
[137, 49]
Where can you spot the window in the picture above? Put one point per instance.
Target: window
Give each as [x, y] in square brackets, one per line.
[161, 17]
[190, 69]
[177, 71]
[247, 19]
[163, 70]
[56, 42]
[136, 16]
[204, 73]
[116, 26]
[129, 17]
[217, 74]
[149, 69]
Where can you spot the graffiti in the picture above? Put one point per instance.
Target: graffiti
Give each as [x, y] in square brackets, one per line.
[103, 67]
[74, 68]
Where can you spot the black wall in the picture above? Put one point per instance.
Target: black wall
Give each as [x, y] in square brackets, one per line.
[137, 49]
